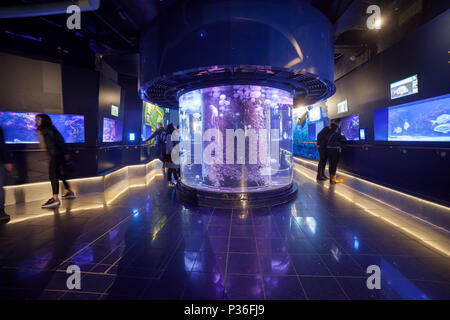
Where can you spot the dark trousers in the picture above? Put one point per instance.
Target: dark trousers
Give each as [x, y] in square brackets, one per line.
[56, 173]
[322, 162]
[333, 159]
[170, 172]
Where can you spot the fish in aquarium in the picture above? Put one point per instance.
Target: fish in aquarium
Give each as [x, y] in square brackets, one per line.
[398, 130]
[406, 125]
[441, 119]
[444, 128]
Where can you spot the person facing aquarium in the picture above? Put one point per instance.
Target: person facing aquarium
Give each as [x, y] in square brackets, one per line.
[172, 167]
[58, 152]
[160, 137]
[322, 139]
[334, 149]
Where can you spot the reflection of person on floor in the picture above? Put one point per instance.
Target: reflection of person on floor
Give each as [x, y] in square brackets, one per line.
[57, 150]
[322, 139]
[173, 168]
[334, 148]
[6, 161]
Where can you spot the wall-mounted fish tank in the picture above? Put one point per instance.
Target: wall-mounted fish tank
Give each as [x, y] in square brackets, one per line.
[350, 127]
[236, 138]
[112, 130]
[20, 127]
[425, 120]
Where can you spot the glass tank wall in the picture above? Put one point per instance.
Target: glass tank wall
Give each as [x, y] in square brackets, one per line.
[236, 138]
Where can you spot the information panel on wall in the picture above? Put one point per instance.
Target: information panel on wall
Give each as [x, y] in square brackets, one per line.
[405, 87]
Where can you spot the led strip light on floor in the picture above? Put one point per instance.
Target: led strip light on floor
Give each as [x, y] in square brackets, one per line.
[425, 234]
[381, 187]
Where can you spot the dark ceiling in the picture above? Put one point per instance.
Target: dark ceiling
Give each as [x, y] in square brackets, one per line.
[112, 32]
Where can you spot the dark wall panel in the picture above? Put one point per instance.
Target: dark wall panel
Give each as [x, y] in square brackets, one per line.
[419, 171]
[109, 93]
[29, 85]
[80, 88]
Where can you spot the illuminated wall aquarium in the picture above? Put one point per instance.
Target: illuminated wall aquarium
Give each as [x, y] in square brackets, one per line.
[20, 127]
[236, 138]
[423, 120]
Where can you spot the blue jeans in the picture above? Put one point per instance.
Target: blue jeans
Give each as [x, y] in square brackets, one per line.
[2, 191]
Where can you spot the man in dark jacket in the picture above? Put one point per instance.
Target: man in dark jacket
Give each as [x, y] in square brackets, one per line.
[6, 161]
[334, 148]
[322, 139]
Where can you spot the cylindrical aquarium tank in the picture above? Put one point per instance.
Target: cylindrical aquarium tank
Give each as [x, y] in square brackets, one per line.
[233, 68]
[236, 138]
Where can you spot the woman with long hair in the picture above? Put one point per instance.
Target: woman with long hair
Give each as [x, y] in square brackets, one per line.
[57, 150]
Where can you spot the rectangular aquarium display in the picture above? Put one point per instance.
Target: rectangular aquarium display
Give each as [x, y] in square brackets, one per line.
[350, 127]
[423, 120]
[314, 129]
[405, 87]
[112, 130]
[20, 127]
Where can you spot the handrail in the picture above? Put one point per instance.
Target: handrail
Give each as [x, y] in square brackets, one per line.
[382, 146]
[84, 148]
[369, 146]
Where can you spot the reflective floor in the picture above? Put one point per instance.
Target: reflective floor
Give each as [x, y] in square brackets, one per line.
[145, 244]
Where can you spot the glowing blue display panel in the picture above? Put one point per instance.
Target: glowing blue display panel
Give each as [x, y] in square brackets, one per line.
[362, 134]
[423, 120]
[112, 130]
[20, 127]
[314, 129]
[146, 131]
[350, 127]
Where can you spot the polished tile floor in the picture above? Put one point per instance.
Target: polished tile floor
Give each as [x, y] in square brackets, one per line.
[148, 245]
